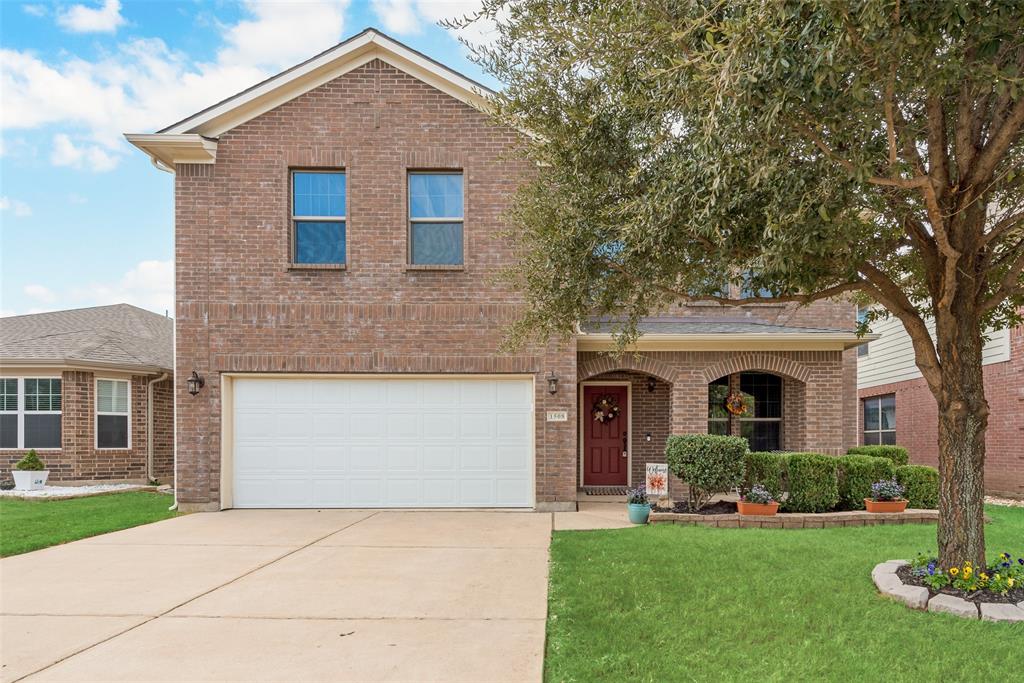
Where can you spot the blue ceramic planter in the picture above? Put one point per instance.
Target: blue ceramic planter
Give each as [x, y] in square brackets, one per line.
[638, 514]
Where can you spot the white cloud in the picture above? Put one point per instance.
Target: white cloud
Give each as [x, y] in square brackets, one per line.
[143, 85]
[16, 206]
[150, 284]
[81, 19]
[280, 34]
[408, 16]
[40, 293]
[35, 10]
[398, 16]
[65, 153]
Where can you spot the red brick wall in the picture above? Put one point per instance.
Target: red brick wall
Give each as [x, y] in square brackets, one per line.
[917, 420]
[79, 459]
[163, 431]
[241, 308]
[814, 387]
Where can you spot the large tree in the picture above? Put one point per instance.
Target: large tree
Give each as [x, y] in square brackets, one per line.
[860, 148]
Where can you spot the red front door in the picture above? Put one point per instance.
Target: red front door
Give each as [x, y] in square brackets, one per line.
[605, 442]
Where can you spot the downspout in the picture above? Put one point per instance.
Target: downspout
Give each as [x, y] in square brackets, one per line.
[149, 424]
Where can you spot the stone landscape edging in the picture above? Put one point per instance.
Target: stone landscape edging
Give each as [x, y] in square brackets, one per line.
[891, 586]
[797, 520]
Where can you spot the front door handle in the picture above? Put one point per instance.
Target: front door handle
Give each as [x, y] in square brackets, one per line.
[625, 445]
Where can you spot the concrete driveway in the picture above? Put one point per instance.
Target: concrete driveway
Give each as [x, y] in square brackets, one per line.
[284, 595]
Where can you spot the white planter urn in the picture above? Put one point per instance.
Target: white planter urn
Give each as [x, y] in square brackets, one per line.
[29, 480]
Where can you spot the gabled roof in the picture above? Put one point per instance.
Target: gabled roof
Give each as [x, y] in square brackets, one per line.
[120, 336]
[193, 140]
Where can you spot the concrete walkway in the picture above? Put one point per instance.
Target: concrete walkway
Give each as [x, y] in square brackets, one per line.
[281, 595]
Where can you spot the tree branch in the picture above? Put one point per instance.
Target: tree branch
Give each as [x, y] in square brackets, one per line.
[906, 183]
[992, 153]
[1007, 285]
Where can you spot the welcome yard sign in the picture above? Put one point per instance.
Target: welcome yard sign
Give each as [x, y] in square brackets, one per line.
[657, 479]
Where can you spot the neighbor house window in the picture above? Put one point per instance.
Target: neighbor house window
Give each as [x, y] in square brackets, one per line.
[30, 412]
[435, 218]
[112, 419]
[862, 314]
[318, 217]
[718, 416]
[749, 291]
[42, 417]
[9, 413]
[880, 420]
[762, 424]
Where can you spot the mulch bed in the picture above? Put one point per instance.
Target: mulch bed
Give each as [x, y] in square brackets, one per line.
[722, 507]
[1013, 596]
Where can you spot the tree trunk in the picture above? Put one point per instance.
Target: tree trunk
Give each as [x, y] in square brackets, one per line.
[963, 420]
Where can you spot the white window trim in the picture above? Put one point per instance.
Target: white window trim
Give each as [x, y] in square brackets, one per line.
[20, 412]
[864, 429]
[410, 221]
[97, 413]
[343, 220]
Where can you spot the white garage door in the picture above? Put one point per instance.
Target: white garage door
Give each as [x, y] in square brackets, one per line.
[356, 442]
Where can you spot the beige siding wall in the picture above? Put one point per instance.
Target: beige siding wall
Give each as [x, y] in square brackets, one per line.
[891, 358]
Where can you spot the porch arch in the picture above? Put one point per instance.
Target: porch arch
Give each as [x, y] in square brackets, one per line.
[765, 362]
[637, 363]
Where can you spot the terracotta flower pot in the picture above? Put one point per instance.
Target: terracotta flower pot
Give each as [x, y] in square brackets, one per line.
[885, 505]
[764, 509]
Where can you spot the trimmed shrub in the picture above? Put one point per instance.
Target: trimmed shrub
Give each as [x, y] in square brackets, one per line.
[922, 485]
[768, 470]
[30, 463]
[812, 482]
[855, 475]
[708, 463]
[898, 454]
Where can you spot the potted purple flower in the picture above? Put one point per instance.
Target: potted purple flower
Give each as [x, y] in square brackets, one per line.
[886, 496]
[638, 505]
[757, 501]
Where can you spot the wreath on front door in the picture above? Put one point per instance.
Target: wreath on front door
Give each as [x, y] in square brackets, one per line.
[605, 409]
[736, 404]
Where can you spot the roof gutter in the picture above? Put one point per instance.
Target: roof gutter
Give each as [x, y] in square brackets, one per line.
[72, 364]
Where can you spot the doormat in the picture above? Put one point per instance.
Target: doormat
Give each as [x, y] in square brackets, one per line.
[605, 490]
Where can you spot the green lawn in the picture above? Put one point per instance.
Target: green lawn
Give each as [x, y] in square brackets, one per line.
[32, 524]
[670, 603]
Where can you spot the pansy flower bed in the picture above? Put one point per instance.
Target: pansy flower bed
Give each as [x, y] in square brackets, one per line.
[1000, 581]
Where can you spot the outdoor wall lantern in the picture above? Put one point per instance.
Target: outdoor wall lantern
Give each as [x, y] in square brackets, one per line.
[195, 383]
[552, 383]
[651, 384]
[647, 437]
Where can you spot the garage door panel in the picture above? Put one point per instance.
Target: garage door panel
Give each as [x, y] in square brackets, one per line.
[396, 442]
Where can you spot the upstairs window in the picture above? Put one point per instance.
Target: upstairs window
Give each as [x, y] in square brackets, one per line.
[112, 413]
[318, 217]
[862, 314]
[880, 420]
[749, 291]
[435, 218]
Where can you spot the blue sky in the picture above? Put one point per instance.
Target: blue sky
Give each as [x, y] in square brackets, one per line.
[84, 218]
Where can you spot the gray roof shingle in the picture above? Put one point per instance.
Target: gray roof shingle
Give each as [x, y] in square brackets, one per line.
[120, 334]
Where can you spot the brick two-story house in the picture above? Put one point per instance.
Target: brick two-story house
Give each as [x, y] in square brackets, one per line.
[338, 234]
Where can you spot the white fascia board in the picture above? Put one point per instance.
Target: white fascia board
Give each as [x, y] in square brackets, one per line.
[839, 341]
[345, 57]
[168, 150]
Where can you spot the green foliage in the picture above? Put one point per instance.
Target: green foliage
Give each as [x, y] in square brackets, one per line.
[708, 463]
[922, 485]
[898, 454]
[856, 474]
[768, 470]
[812, 482]
[30, 462]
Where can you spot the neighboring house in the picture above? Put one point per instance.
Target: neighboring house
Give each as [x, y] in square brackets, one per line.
[91, 390]
[338, 234]
[897, 406]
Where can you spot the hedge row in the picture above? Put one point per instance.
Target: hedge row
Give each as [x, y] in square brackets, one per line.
[898, 454]
[811, 482]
